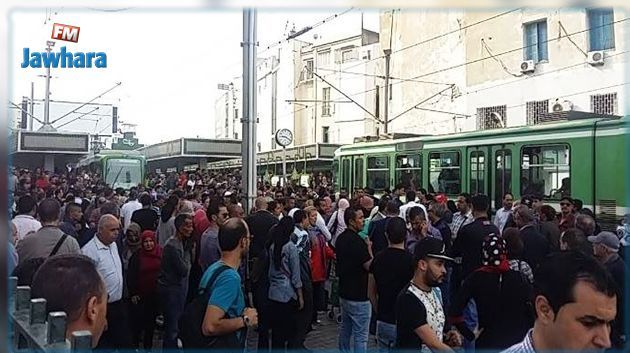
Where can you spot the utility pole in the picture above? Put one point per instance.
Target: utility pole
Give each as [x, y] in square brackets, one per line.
[47, 126]
[248, 145]
[30, 118]
[386, 43]
[388, 53]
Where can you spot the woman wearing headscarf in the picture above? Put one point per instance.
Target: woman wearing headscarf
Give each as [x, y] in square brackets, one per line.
[144, 267]
[503, 297]
[132, 243]
[336, 224]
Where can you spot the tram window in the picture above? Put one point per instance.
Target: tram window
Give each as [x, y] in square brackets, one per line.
[358, 172]
[545, 171]
[503, 175]
[444, 172]
[477, 172]
[378, 173]
[409, 171]
[345, 173]
[335, 173]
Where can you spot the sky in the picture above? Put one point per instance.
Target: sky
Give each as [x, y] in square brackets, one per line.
[169, 62]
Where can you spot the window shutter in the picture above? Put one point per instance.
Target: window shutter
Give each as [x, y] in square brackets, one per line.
[530, 42]
[542, 40]
[608, 31]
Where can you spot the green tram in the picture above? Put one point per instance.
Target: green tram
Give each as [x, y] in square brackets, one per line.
[118, 168]
[584, 159]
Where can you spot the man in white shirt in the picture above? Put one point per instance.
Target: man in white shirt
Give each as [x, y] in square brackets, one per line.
[128, 209]
[411, 202]
[104, 251]
[25, 221]
[503, 214]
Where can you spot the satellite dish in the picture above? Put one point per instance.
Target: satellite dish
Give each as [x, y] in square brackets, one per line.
[497, 119]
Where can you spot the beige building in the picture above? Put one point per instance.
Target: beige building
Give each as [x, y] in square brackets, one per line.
[322, 113]
[527, 63]
[275, 84]
[424, 99]
[456, 71]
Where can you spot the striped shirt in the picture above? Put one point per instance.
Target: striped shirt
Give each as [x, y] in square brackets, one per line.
[522, 267]
[460, 220]
[526, 346]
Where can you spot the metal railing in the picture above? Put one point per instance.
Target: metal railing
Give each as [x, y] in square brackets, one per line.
[34, 331]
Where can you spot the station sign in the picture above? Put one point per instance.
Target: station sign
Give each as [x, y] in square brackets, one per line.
[52, 142]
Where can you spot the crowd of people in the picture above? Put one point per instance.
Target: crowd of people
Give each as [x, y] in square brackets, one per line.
[414, 269]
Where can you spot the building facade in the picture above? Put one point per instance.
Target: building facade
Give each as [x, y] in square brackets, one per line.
[455, 71]
[275, 86]
[337, 92]
[425, 96]
[528, 63]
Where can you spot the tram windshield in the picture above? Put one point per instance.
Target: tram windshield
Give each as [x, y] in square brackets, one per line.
[123, 173]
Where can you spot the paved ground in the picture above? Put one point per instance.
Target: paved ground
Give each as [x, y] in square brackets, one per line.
[324, 336]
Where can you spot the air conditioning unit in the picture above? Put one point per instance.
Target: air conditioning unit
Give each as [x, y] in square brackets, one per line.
[561, 106]
[595, 58]
[528, 66]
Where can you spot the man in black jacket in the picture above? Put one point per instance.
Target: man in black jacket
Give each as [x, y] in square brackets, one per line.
[468, 247]
[259, 223]
[535, 246]
[469, 242]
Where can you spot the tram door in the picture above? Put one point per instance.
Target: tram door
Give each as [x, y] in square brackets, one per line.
[502, 164]
[477, 161]
[346, 176]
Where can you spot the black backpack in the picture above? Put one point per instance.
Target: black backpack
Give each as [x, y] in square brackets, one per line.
[25, 271]
[191, 321]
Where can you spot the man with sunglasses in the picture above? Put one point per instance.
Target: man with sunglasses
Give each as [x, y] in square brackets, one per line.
[210, 251]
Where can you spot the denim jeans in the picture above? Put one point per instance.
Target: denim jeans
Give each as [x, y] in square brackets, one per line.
[471, 321]
[445, 287]
[385, 336]
[173, 300]
[355, 323]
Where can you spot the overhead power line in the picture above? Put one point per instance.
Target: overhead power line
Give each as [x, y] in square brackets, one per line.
[512, 50]
[88, 102]
[419, 103]
[305, 30]
[345, 95]
[477, 60]
[428, 40]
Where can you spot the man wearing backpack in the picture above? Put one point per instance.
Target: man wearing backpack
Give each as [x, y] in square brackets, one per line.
[49, 239]
[217, 317]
